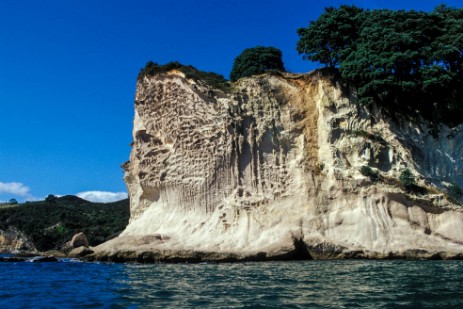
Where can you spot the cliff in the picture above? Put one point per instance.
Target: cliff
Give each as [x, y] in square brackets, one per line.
[271, 170]
[12, 241]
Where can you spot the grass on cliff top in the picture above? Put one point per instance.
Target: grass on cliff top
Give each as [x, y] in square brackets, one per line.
[213, 79]
[51, 224]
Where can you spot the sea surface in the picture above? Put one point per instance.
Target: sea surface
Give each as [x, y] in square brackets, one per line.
[304, 284]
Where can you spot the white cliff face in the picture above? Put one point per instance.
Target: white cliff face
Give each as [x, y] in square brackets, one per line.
[272, 168]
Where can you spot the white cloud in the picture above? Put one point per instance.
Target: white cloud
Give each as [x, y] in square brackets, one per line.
[15, 188]
[102, 196]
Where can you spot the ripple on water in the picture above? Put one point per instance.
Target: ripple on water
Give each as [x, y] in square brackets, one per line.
[314, 284]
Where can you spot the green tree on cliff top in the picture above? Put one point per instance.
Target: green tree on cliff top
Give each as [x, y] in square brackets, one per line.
[257, 60]
[329, 37]
[404, 60]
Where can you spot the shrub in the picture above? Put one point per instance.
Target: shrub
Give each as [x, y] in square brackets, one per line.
[368, 172]
[407, 179]
[60, 229]
[257, 60]
[213, 79]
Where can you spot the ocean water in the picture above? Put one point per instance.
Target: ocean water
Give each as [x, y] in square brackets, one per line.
[304, 284]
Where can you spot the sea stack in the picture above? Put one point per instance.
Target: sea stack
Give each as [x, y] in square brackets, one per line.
[284, 166]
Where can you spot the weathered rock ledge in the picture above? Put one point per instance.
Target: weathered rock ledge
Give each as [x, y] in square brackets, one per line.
[271, 170]
[299, 252]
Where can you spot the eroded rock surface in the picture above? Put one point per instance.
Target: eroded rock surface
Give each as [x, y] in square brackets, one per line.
[272, 170]
[13, 240]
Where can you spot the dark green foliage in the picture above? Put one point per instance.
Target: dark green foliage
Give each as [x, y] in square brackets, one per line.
[212, 79]
[408, 182]
[12, 201]
[331, 35]
[51, 199]
[407, 179]
[50, 225]
[407, 61]
[257, 60]
[368, 172]
[393, 47]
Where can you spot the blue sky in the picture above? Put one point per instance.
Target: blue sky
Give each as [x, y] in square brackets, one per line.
[68, 71]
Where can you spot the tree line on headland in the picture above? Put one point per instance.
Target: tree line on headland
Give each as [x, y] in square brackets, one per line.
[50, 223]
[406, 61]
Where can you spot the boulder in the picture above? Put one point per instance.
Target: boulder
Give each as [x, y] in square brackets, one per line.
[55, 253]
[79, 240]
[80, 252]
[12, 259]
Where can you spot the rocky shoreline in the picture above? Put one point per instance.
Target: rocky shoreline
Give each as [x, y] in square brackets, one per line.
[227, 257]
[214, 257]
